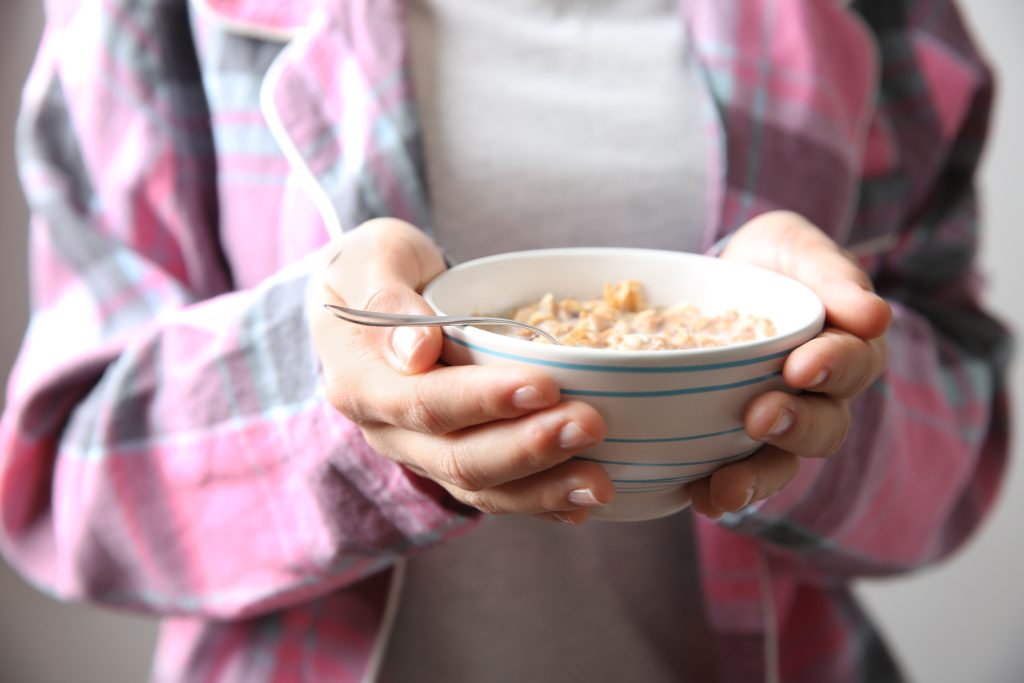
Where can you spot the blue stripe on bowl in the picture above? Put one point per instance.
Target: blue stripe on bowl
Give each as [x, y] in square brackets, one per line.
[682, 479]
[617, 368]
[669, 439]
[671, 392]
[724, 458]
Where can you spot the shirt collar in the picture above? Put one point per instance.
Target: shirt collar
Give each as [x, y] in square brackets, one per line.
[277, 21]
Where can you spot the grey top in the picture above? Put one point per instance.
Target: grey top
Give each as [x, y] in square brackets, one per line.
[520, 599]
[559, 123]
[556, 123]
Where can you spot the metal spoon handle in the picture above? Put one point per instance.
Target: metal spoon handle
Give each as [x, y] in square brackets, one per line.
[378, 319]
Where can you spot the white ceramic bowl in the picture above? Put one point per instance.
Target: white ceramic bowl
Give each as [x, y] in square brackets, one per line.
[672, 416]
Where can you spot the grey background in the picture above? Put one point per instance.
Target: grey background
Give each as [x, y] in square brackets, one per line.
[959, 622]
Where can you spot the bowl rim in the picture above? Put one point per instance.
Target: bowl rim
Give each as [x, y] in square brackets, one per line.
[508, 345]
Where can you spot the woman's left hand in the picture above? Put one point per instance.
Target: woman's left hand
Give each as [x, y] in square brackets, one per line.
[842, 361]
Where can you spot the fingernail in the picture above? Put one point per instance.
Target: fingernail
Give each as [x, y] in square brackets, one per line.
[562, 517]
[820, 378]
[749, 496]
[783, 422]
[572, 437]
[583, 497]
[528, 398]
[404, 341]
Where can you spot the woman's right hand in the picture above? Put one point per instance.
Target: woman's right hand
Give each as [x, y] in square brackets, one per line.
[496, 437]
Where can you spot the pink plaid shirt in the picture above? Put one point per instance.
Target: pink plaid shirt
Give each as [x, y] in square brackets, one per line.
[166, 445]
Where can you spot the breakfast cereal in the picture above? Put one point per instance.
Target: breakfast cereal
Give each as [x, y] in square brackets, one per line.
[621, 319]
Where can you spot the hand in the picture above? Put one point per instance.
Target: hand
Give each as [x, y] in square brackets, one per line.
[497, 438]
[846, 358]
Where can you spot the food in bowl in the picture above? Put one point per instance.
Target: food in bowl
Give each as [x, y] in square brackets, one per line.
[672, 416]
[622, 319]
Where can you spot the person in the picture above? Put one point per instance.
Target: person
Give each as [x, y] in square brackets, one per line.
[189, 434]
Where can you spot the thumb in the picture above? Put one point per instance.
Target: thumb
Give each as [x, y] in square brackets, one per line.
[410, 350]
[382, 266]
[789, 244]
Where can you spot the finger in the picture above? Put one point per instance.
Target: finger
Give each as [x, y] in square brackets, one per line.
[808, 425]
[788, 243]
[734, 486]
[496, 453]
[700, 498]
[381, 266]
[409, 350]
[443, 400]
[380, 253]
[564, 492]
[836, 363]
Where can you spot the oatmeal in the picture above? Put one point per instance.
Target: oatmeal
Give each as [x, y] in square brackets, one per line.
[622, 320]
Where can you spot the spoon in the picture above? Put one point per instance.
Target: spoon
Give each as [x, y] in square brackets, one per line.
[376, 319]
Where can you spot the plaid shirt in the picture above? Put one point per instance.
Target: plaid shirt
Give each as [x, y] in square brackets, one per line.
[166, 444]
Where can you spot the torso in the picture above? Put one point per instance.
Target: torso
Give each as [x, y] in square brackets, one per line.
[554, 124]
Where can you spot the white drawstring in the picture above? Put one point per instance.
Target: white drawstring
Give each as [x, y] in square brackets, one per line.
[387, 624]
[321, 200]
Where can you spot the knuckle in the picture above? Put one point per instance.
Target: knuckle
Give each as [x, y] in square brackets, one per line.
[452, 468]
[422, 418]
[861, 382]
[841, 431]
[385, 298]
[376, 438]
[865, 376]
[483, 404]
[856, 376]
[531, 452]
[421, 411]
[341, 398]
[481, 501]
[529, 458]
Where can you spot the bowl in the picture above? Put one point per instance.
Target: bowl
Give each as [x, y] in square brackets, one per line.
[673, 416]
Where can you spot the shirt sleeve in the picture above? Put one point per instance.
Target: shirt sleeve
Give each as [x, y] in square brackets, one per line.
[929, 441]
[165, 444]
